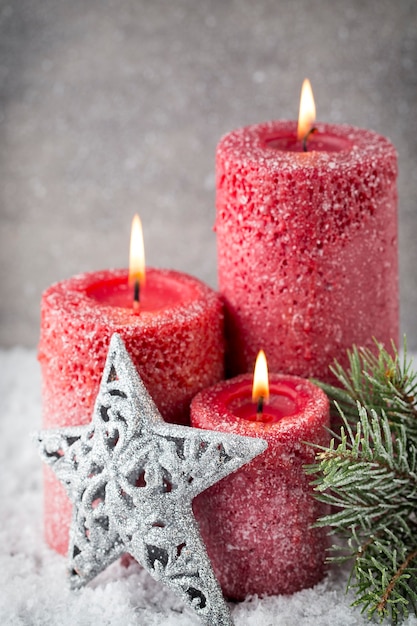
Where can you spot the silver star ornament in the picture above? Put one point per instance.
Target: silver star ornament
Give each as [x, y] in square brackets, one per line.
[132, 478]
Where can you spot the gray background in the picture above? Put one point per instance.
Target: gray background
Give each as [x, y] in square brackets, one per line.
[112, 107]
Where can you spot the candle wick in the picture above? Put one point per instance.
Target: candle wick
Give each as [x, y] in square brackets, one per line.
[259, 408]
[136, 295]
[306, 136]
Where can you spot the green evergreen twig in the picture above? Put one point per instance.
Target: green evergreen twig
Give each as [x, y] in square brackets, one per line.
[369, 476]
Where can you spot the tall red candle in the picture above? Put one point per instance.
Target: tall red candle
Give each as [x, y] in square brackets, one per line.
[175, 340]
[307, 244]
[256, 523]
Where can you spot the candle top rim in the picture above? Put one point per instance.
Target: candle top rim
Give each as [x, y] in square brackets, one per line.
[210, 404]
[253, 143]
[75, 294]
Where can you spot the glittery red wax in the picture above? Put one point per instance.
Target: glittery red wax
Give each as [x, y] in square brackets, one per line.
[307, 245]
[256, 523]
[175, 341]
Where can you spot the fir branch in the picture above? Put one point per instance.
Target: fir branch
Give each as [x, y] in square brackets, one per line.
[368, 474]
[401, 572]
[381, 382]
[384, 575]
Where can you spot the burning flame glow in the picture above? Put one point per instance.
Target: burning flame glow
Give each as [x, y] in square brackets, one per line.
[137, 253]
[307, 115]
[260, 386]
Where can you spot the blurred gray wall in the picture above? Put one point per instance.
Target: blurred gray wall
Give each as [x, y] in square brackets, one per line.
[109, 107]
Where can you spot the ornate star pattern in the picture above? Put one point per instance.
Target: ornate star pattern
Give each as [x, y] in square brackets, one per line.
[132, 478]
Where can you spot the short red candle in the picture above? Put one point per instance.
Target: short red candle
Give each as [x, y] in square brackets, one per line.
[307, 245]
[256, 523]
[175, 340]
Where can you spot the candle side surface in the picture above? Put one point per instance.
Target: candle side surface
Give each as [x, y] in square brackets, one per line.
[307, 246]
[257, 522]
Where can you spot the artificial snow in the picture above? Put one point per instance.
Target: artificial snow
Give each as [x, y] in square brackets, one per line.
[34, 590]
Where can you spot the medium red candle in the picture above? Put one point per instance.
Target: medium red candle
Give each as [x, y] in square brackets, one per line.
[174, 336]
[256, 523]
[307, 244]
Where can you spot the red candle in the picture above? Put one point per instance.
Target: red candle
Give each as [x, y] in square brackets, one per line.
[256, 523]
[307, 244]
[174, 336]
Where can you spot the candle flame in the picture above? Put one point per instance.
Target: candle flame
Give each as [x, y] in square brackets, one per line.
[260, 387]
[137, 254]
[307, 115]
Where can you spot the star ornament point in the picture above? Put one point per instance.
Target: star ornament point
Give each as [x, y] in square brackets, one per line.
[132, 477]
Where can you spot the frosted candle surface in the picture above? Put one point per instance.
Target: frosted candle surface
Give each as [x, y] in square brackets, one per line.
[175, 341]
[307, 245]
[257, 523]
